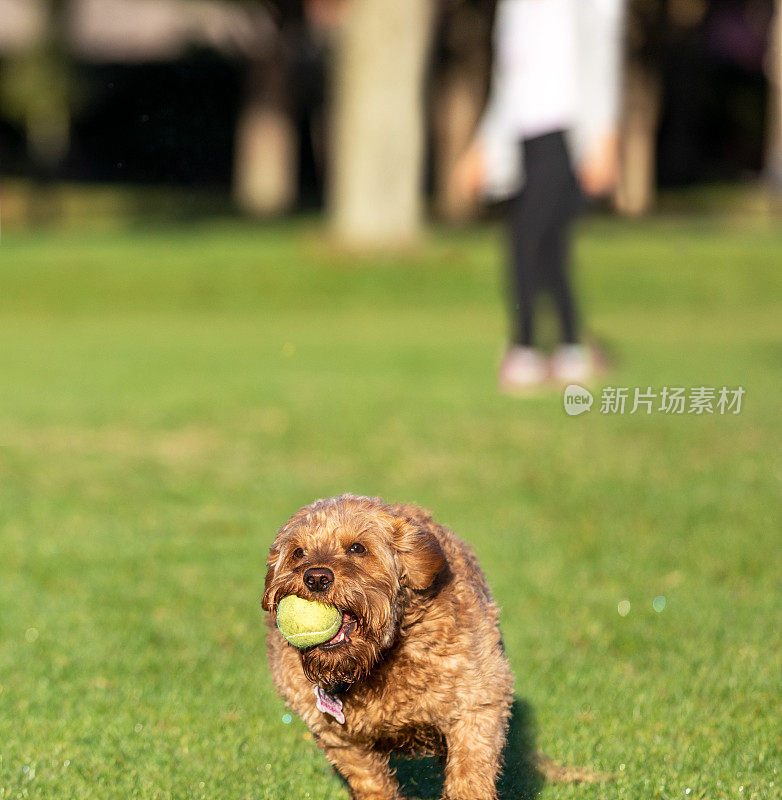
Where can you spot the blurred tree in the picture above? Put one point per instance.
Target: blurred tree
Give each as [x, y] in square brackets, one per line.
[35, 90]
[281, 131]
[677, 102]
[645, 30]
[266, 151]
[459, 87]
[266, 154]
[377, 139]
[774, 71]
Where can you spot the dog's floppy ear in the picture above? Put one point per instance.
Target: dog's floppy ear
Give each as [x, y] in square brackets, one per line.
[271, 566]
[419, 552]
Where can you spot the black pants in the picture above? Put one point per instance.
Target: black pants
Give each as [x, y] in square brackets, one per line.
[540, 218]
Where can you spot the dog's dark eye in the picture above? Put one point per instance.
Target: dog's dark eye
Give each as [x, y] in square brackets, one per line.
[357, 548]
[298, 553]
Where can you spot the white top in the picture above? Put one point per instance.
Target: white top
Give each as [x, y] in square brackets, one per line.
[557, 66]
[535, 51]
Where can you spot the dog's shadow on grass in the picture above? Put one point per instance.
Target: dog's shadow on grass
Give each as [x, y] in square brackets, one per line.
[422, 778]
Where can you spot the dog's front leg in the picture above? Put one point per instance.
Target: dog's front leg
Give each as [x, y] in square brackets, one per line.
[366, 771]
[475, 744]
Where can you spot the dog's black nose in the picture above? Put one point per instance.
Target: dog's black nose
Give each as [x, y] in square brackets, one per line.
[318, 579]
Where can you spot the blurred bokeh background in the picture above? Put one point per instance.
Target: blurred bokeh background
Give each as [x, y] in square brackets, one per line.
[234, 278]
[219, 106]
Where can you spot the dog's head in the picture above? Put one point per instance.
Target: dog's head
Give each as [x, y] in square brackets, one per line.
[366, 559]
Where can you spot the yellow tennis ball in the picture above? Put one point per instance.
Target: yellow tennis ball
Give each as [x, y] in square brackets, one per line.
[304, 623]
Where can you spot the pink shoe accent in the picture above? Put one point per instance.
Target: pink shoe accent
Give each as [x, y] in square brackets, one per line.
[522, 368]
[572, 363]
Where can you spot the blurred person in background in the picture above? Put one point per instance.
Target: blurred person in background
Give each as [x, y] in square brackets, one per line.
[548, 133]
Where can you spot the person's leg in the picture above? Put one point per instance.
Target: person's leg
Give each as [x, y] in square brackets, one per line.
[535, 216]
[532, 215]
[554, 253]
[541, 222]
[554, 258]
[524, 243]
[571, 362]
[523, 367]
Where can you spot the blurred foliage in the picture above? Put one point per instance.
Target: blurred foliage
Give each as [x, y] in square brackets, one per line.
[33, 84]
[36, 91]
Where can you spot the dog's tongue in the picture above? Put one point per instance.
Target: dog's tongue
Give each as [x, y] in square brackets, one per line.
[342, 634]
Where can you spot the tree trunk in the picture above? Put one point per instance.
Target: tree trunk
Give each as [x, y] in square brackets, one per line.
[638, 140]
[377, 132]
[266, 156]
[457, 109]
[460, 87]
[774, 70]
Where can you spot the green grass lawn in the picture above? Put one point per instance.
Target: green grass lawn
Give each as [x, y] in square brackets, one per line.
[169, 397]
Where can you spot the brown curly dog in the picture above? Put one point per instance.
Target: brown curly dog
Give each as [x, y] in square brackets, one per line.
[418, 664]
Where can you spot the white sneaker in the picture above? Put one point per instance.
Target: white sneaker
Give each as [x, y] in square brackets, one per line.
[572, 363]
[522, 368]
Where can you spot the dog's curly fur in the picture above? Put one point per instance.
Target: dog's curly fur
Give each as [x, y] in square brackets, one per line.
[424, 670]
